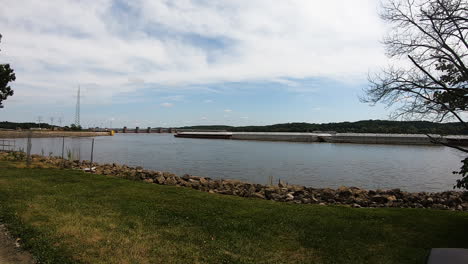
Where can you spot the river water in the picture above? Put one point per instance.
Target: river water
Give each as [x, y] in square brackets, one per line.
[411, 168]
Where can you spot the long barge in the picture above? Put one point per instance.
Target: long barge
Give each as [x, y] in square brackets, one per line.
[210, 135]
[359, 138]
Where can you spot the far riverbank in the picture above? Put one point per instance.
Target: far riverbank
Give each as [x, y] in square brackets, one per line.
[49, 134]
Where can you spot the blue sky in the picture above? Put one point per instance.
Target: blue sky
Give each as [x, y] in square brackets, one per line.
[189, 62]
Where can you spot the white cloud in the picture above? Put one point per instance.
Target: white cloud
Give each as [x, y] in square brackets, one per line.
[208, 101]
[215, 41]
[227, 110]
[167, 104]
[174, 98]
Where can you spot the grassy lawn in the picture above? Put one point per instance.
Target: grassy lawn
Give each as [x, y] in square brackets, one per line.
[68, 216]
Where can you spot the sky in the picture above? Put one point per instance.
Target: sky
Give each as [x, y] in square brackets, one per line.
[191, 62]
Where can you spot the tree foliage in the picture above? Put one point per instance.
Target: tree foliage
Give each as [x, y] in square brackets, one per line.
[431, 34]
[429, 40]
[7, 75]
[23, 125]
[74, 127]
[365, 126]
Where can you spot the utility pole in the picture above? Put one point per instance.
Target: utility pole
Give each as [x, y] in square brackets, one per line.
[39, 120]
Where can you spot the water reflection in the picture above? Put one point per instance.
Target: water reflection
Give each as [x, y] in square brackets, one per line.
[413, 168]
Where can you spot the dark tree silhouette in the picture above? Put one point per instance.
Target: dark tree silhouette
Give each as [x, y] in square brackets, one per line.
[429, 40]
[7, 75]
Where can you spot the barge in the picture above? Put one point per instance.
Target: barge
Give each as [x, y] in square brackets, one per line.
[358, 138]
[210, 135]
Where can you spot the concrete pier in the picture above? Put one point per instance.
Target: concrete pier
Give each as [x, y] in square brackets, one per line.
[358, 138]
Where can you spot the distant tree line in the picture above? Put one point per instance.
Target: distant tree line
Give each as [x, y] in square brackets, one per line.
[366, 126]
[29, 125]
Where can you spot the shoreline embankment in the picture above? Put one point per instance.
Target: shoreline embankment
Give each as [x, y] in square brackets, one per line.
[357, 138]
[48, 134]
[282, 192]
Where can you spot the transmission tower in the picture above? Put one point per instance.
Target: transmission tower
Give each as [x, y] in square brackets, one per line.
[77, 112]
[39, 120]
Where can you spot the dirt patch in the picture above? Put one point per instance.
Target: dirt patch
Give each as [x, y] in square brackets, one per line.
[10, 252]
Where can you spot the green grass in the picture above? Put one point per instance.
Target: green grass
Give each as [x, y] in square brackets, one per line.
[68, 216]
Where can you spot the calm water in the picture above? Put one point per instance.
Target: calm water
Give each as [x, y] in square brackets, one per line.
[412, 168]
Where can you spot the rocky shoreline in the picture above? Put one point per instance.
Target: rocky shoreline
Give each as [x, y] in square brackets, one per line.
[347, 196]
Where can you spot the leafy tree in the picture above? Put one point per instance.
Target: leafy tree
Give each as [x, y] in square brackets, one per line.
[430, 36]
[6, 75]
[74, 127]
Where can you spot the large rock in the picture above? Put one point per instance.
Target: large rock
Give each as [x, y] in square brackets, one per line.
[379, 199]
[313, 199]
[171, 181]
[296, 188]
[168, 174]
[360, 193]
[391, 198]
[249, 189]
[439, 206]
[258, 195]
[160, 180]
[327, 194]
[203, 181]
[289, 197]
[269, 192]
[344, 192]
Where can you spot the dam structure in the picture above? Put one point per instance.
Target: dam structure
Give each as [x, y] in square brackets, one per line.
[357, 138]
